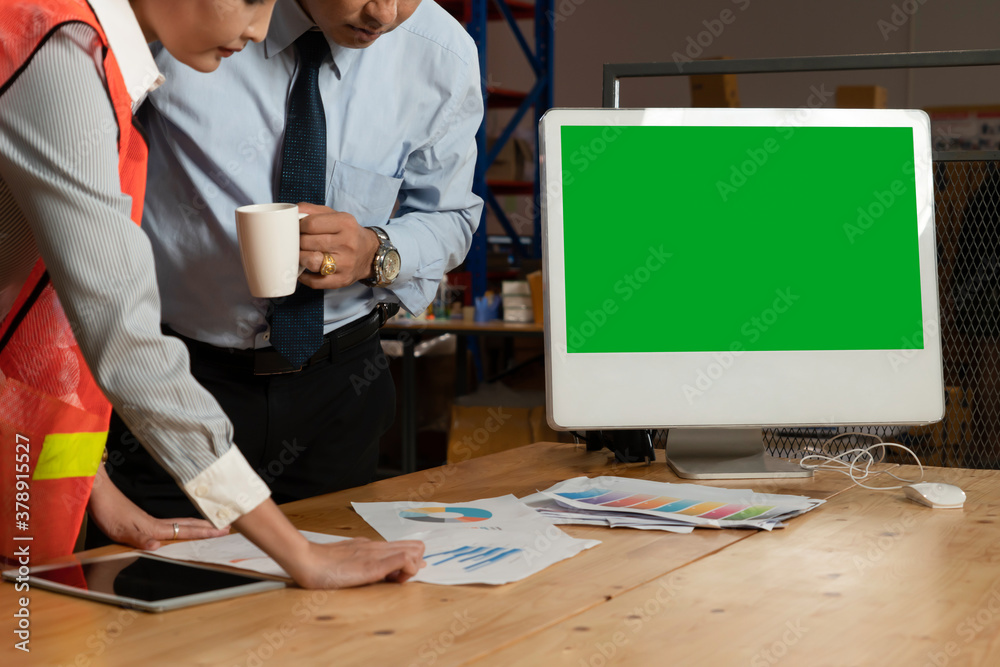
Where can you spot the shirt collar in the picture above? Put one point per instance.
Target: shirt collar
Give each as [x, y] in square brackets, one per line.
[125, 38]
[288, 23]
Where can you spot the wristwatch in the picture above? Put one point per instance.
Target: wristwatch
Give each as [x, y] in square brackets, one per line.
[385, 266]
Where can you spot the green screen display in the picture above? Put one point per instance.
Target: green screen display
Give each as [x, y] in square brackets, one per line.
[702, 239]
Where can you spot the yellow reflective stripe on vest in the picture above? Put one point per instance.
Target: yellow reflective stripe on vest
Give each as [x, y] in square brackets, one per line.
[70, 455]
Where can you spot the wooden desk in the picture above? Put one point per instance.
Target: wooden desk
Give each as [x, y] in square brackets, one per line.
[407, 331]
[866, 579]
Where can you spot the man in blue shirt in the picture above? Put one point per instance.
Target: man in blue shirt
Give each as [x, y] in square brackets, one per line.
[402, 99]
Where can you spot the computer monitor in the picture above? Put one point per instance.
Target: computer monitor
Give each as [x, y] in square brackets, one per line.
[721, 271]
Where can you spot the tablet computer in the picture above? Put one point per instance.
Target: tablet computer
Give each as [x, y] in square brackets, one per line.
[143, 581]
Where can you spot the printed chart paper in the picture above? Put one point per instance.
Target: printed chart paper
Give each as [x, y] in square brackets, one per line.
[492, 556]
[234, 550]
[489, 541]
[549, 508]
[401, 520]
[676, 504]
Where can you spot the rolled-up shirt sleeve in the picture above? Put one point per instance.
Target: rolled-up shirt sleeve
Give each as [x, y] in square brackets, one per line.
[58, 160]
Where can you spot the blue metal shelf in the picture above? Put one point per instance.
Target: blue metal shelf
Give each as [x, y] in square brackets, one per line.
[476, 14]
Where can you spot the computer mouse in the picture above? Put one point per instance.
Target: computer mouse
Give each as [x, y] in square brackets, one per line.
[936, 495]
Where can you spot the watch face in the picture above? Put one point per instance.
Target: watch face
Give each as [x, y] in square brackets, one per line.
[390, 265]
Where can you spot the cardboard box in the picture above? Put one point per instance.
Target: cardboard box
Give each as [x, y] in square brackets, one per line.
[537, 296]
[862, 97]
[512, 162]
[714, 90]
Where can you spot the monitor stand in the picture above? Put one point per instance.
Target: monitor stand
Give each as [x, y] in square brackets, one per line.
[725, 453]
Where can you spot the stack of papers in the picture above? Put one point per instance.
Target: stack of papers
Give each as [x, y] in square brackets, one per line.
[235, 550]
[491, 541]
[637, 503]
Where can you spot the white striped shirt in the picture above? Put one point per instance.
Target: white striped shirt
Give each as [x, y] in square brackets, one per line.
[61, 199]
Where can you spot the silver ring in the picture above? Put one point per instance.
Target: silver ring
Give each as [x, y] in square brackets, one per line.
[177, 530]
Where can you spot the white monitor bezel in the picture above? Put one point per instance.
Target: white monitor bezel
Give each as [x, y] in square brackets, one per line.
[591, 391]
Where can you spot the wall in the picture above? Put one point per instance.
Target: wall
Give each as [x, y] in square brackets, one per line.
[592, 32]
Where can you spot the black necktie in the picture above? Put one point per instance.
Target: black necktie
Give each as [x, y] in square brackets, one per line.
[297, 320]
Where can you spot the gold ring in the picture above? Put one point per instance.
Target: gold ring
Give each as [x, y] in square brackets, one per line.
[329, 265]
[177, 530]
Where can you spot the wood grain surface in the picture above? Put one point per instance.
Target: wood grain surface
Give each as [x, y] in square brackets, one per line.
[805, 573]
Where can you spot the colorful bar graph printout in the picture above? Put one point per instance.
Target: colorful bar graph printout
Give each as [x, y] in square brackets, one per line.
[605, 498]
[658, 501]
[621, 502]
[630, 501]
[699, 508]
[724, 511]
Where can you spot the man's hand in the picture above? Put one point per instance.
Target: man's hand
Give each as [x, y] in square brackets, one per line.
[327, 231]
[124, 522]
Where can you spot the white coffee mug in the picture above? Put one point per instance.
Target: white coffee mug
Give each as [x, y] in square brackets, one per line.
[269, 247]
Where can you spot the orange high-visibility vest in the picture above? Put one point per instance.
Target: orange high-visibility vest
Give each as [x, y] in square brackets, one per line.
[53, 417]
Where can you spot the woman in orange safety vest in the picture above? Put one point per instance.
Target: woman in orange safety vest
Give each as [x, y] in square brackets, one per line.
[53, 413]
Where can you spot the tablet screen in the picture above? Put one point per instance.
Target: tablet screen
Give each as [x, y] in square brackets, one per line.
[142, 578]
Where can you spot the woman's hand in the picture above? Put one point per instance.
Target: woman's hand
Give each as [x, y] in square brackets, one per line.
[360, 561]
[339, 565]
[124, 522]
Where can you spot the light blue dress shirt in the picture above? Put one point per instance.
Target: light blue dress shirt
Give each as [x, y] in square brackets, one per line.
[401, 122]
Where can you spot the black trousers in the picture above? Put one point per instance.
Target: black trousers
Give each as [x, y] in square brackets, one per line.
[306, 433]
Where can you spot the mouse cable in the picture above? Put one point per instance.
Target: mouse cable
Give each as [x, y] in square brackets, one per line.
[856, 463]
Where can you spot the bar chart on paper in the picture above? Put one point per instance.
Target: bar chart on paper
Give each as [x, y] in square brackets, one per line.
[470, 558]
[482, 541]
[604, 498]
[650, 505]
[492, 556]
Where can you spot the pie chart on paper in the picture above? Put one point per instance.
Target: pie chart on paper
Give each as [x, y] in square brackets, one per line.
[446, 514]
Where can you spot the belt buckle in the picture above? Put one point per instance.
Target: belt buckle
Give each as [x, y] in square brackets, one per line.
[384, 312]
[266, 361]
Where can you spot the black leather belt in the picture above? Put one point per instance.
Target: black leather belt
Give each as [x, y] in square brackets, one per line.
[267, 361]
